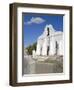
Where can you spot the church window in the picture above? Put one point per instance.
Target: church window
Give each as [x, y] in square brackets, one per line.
[48, 31]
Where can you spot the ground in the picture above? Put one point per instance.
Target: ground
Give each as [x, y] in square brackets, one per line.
[42, 65]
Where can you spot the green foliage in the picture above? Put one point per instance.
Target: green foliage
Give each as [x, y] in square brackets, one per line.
[30, 48]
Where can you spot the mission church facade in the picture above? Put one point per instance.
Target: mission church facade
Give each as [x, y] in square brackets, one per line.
[50, 42]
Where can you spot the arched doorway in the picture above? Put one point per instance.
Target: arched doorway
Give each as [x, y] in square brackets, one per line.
[48, 50]
[57, 46]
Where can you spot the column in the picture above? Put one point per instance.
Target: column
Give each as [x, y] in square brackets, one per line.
[52, 47]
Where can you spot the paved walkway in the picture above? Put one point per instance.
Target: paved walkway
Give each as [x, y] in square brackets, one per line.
[49, 65]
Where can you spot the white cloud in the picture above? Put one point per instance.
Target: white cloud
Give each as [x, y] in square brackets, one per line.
[36, 20]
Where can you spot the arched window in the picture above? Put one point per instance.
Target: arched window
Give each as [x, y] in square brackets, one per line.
[48, 31]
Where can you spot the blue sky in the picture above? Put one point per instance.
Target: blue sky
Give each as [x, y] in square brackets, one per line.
[34, 24]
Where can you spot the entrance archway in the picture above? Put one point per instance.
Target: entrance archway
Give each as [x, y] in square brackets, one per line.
[48, 50]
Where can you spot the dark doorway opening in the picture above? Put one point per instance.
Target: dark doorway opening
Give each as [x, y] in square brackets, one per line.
[56, 48]
[48, 50]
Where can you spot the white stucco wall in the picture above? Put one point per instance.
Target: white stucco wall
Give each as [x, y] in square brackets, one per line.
[44, 41]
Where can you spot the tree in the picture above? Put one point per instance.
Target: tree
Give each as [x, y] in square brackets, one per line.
[31, 48]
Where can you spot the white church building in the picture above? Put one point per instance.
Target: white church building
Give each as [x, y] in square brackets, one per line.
[50, 42]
